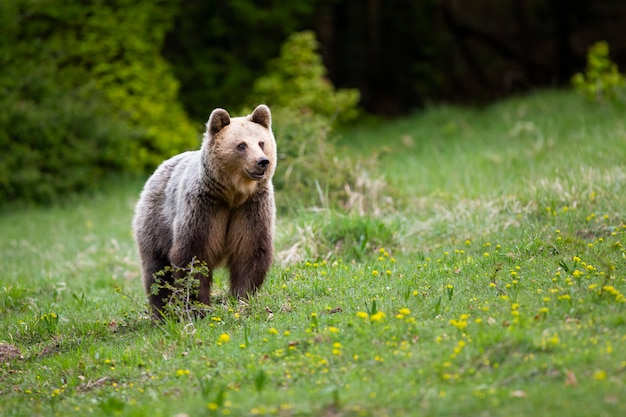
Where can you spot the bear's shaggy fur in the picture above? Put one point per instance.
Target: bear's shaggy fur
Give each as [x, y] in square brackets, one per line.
[215, 205]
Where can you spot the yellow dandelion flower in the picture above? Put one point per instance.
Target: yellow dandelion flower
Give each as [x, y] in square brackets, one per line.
[405, 311]
[554, 339]
[378, 316]
[459, 324]
[599, 375]
[362, 314]
[223, 338]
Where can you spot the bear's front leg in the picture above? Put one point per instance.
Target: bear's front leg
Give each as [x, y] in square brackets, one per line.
[251, 247]
[247, 274]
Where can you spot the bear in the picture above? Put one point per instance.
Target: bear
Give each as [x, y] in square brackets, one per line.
[214, 205]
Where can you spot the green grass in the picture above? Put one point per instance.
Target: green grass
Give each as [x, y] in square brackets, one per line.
[493, 285]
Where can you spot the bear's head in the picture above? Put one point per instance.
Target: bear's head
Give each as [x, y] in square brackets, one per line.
[240, 151]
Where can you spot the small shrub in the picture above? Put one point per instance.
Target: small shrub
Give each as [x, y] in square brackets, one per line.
[340, 236]
[182, 292]
[306, 107]
[356, 237]
[314, 172]
[601, 79]
[297, 80]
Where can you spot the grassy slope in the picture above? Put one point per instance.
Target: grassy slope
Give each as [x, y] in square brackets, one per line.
[507, 252]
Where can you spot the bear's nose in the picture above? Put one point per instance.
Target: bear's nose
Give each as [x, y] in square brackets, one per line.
[263, 162]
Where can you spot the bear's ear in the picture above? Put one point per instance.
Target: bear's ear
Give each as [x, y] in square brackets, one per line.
[262, 116]
[218, 120]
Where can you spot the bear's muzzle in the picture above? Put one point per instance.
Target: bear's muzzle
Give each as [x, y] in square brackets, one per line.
[261, 167]
[263, 163]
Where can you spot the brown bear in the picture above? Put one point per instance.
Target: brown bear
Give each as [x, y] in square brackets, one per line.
[215, 205]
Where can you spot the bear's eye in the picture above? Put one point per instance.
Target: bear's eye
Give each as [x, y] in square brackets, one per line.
[241, 146]
[261, 145]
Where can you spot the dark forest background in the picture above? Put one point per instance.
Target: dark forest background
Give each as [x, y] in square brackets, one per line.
[398, 53]
[91, 87]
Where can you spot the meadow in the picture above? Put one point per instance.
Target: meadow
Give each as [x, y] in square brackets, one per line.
[483, 273]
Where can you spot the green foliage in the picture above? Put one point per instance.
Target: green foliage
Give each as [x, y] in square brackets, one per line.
[182, 303]
[312, 170]
[601, 79]
[297, 80]
[352, 237]
[122, 49]
[84, 92]
[58, 143]
[217, 49]
[305, 108]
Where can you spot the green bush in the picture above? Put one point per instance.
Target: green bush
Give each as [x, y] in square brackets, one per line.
[337, 235]
[312, 171]
[59, 143]
[297, 80]
[306, 107]
[84, 91]
[601, 79]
